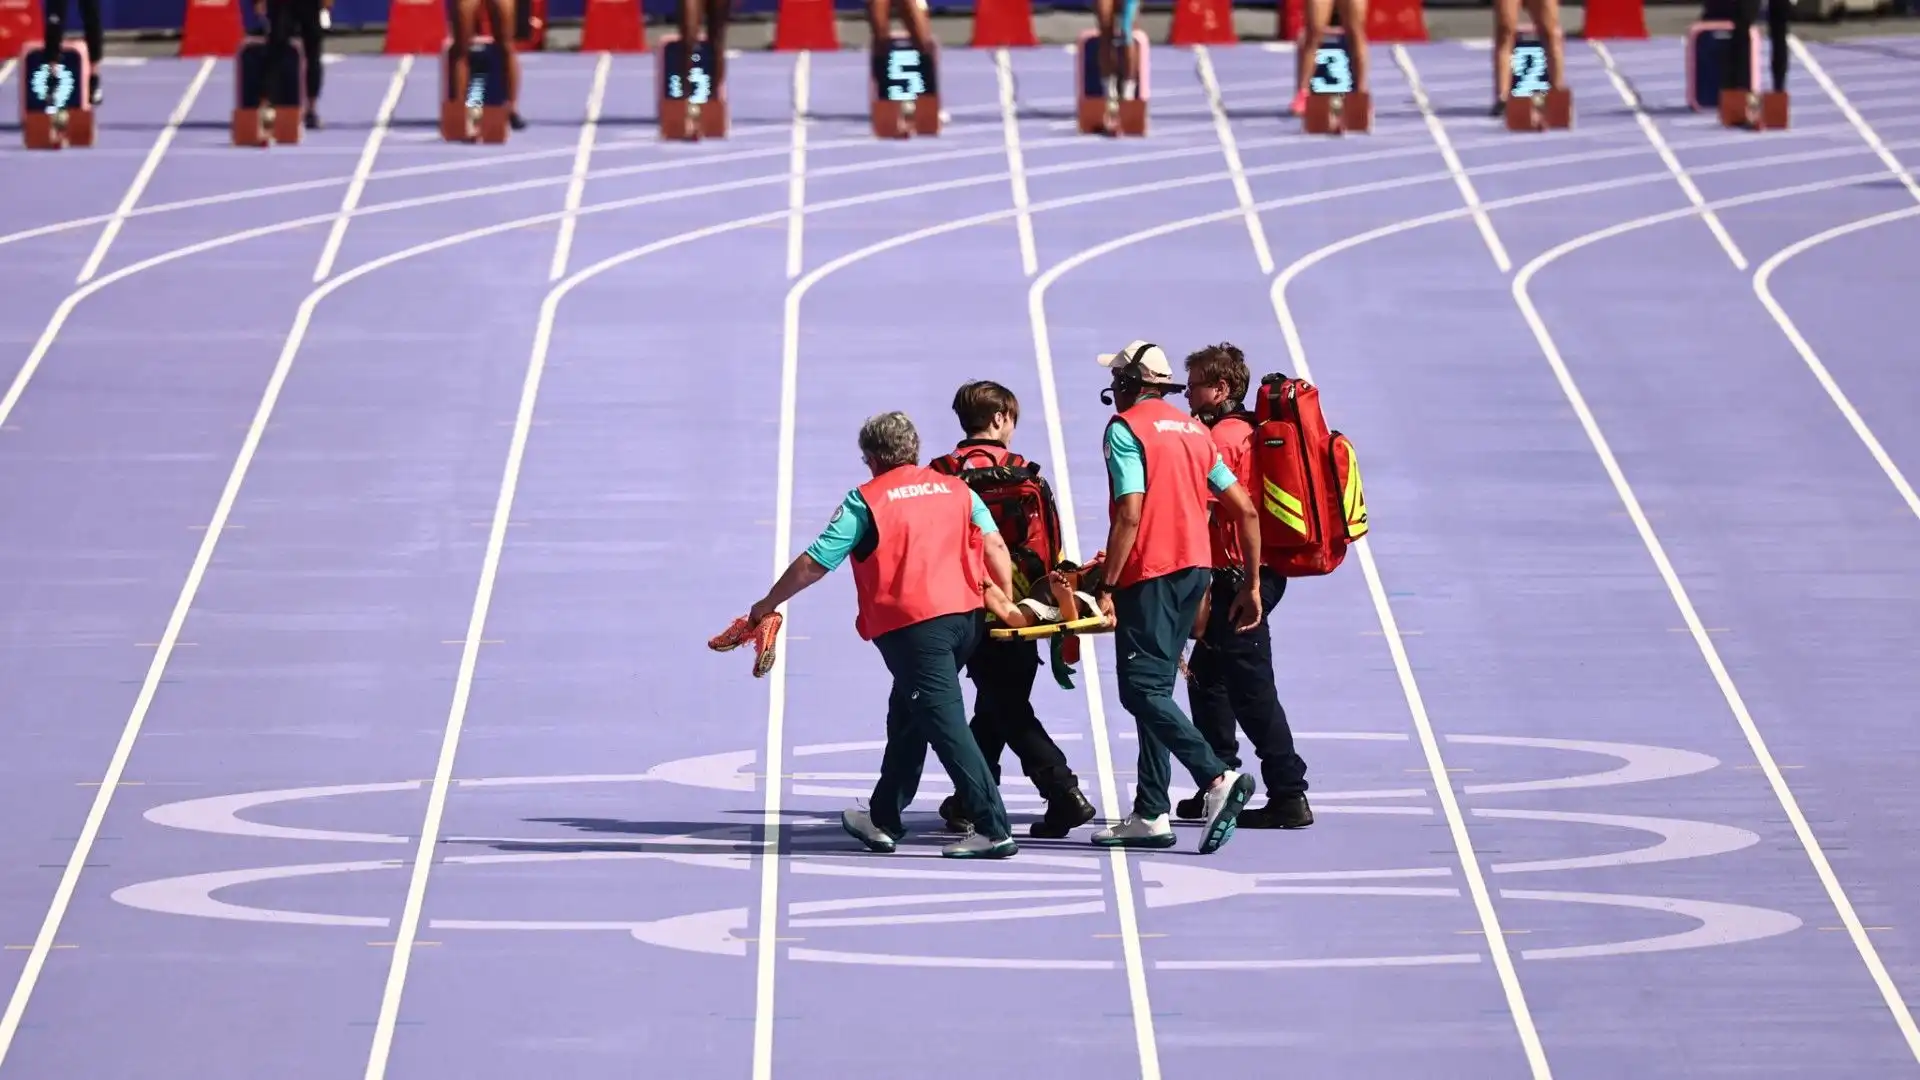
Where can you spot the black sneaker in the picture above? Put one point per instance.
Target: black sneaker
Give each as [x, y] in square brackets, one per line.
[94, 94]
[953, 816]
[515, 122]
[1281, 812]
[1064, 814]
[1194, 809]
[312, 119]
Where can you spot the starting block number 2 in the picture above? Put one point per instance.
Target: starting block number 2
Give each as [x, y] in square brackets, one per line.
[1529, 67]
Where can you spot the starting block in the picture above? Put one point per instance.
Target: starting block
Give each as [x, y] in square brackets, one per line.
[1125, 112]
[55, 111]
[266, 114]
[1709, 48]
[904, 91]
[477, 110]
[1532, 102]
[1334, 107]
[697, 110]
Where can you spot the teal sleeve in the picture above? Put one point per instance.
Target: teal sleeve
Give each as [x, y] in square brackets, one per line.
[1125, 467]
[1220, 478]
[981, 517]
[850, 521]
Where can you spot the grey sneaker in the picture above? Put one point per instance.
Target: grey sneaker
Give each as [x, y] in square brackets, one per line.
[859, 825]
[976, 846]
[1137, 831]
[1224, 801]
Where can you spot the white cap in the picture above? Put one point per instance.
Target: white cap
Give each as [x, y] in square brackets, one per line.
[1152, 361]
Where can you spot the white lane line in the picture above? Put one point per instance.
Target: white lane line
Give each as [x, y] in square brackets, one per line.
[582, 154]
[1853, 116]
[1762, 287]
[358, 184]
[145, 175]
[1763, 755]
[1224, 132]
[797, 164]
[1454, 165]
[1016, 162]
[1660, 146]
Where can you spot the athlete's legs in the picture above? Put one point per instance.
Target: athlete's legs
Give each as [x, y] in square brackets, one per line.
[1319, 16]
[1506, 27]
[719, 13]
[1124, 49]
[1776, 40]
[1740, 57]
[913, 15]
[1353, 19]
[460, 20]
[1105, 25]
[690, 12]
[501, 13]
[1546, 23]
[880, 28]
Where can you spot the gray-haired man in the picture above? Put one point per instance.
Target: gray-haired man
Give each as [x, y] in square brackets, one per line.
[927, 561]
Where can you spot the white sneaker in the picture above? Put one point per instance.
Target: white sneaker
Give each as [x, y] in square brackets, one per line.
[1224, 802]
[859, 825]
[976, 846]
[1137, 831]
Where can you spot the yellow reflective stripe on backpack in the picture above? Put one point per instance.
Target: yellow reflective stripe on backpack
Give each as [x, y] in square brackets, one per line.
[1353, 500]
[1285, 507]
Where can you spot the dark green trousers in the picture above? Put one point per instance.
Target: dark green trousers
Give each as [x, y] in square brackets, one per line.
[1153, 620]
[927, 708]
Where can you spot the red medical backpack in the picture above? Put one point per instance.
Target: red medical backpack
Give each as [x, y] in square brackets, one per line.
[1311, 503]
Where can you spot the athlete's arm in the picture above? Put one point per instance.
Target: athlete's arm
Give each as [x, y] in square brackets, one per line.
[851, 521]
[1127, 471]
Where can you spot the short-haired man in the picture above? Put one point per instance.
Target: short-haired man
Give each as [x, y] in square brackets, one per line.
[1158, 566]
[1003, 671]
[924, 548]
[1232, 671]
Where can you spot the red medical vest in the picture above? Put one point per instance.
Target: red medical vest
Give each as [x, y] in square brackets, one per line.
[928, 559]
[1178, 454]
[1233, 437]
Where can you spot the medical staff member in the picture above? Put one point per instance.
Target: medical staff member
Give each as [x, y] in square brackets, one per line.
[1232, 670]
[1158, 564]
[1003, 671]
[923, 547]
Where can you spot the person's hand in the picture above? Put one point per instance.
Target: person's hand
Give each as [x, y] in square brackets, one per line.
[260, 8]
[1245, 611]
[760, 610]
[1106, 607]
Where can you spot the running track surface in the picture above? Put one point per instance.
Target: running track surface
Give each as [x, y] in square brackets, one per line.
[296, 574]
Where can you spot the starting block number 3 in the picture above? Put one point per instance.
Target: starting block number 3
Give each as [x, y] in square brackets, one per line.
[1332, 70]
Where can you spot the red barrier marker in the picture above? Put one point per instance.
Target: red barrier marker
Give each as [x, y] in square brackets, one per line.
[613, 26]
[1003, 24]
[805, 24]
[1203, 22]
[1396, 20]
[212, 28]
[415, 27]
[21, 22]
[1615, 19]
